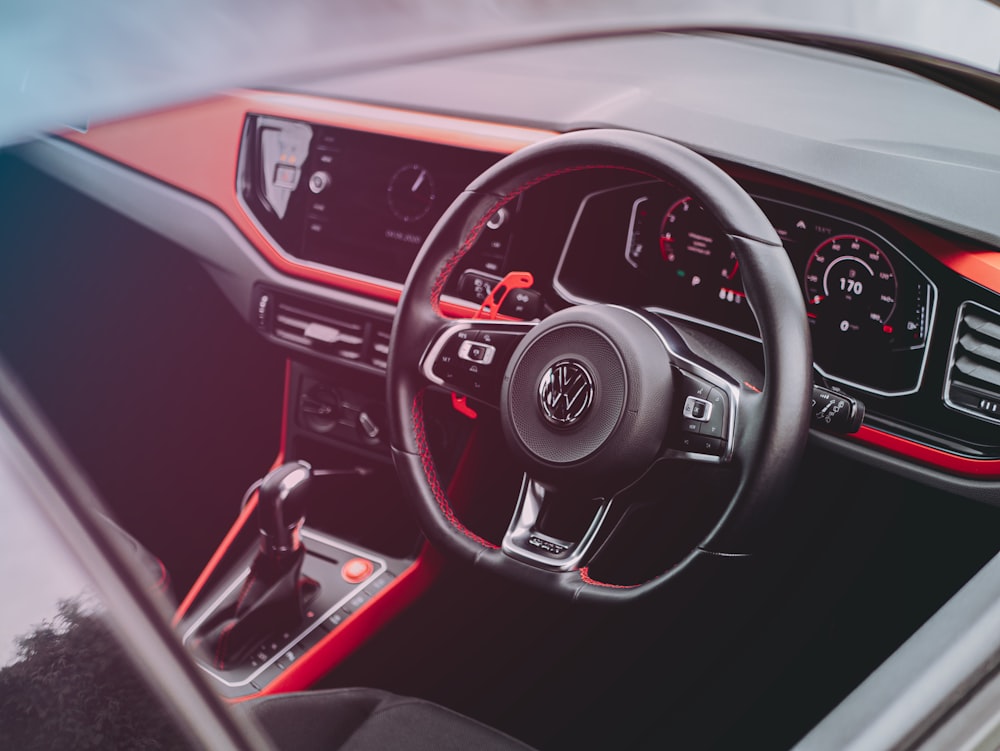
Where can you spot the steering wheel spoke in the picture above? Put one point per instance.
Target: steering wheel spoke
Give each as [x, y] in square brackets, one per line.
[527, 540]
[470, 356]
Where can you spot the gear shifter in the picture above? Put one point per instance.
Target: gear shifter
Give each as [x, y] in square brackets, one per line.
[275, 595]
[281, 508]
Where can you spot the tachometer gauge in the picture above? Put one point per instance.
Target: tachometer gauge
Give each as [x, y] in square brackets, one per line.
[692, 243]
[850, 283]
[686, 232]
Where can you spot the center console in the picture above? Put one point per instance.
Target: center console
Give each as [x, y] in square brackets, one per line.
[346, 578]
[265, 617]
[354, 205]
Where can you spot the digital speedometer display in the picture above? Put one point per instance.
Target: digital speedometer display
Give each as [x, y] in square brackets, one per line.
[869, 307]
[851, 278]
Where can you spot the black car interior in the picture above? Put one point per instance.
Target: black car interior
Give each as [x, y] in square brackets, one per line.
[351, 497]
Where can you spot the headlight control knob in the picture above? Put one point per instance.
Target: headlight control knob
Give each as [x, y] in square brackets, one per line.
[320, 408]
[319, 181]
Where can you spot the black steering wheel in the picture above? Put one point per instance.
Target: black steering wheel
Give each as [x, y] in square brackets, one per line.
[594, 396]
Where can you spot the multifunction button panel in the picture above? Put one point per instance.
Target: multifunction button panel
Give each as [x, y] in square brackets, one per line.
[703, 409]
[474, 360]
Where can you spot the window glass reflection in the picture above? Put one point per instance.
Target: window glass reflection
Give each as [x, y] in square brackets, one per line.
[65, 680]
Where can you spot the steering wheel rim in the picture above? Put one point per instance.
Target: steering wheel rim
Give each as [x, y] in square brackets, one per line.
[766, 457]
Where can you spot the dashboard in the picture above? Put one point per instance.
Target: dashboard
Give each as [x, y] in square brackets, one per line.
[333, 197]
[359, 204]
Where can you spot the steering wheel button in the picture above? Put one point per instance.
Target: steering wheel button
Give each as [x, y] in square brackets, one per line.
[503, 343]
[686, 442]
[715, 429]
[445, 368]
[693, 386]
[476, 287]
[691, 426]
[697, 409]
[476, 352]
[716, 424]
[522, 303]
[357, 570]
[712, 446]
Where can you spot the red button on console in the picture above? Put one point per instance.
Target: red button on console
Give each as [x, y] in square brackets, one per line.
[357, 570]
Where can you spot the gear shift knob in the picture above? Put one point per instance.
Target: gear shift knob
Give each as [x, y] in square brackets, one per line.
[281, 507]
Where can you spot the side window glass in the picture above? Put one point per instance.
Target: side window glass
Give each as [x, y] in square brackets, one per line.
[65, 680]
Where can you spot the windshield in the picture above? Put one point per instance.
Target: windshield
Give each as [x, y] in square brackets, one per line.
[64, 62]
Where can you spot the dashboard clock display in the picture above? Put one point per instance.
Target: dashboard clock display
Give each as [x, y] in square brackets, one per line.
[411, 192]
[869, 307]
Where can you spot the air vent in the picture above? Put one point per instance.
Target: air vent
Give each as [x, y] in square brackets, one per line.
[328, 331]
[973, 383]
[380, 345]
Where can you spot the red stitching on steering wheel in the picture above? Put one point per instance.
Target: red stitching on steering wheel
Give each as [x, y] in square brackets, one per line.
[431, 473]
[587, 579]
[473, 235]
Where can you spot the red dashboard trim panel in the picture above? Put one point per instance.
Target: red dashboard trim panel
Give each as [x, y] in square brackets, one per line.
[195, 148]
[245, 513]
[359, 626]
[960, 465]
[974, 262]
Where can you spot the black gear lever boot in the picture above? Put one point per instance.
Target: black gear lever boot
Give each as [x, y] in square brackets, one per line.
[275, 596]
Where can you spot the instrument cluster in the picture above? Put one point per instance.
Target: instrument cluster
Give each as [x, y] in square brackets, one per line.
[870, 308]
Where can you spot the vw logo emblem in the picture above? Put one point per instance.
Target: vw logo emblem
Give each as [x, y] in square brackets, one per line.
[565, 393]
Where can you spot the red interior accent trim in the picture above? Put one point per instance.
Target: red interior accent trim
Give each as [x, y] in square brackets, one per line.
[244, 515]
[975, 262]
[360, 625]
[489, 309]
[357, 628]
[977, 468]
[586, 578]
[213, 562]
[195, 147]
[461, 405]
